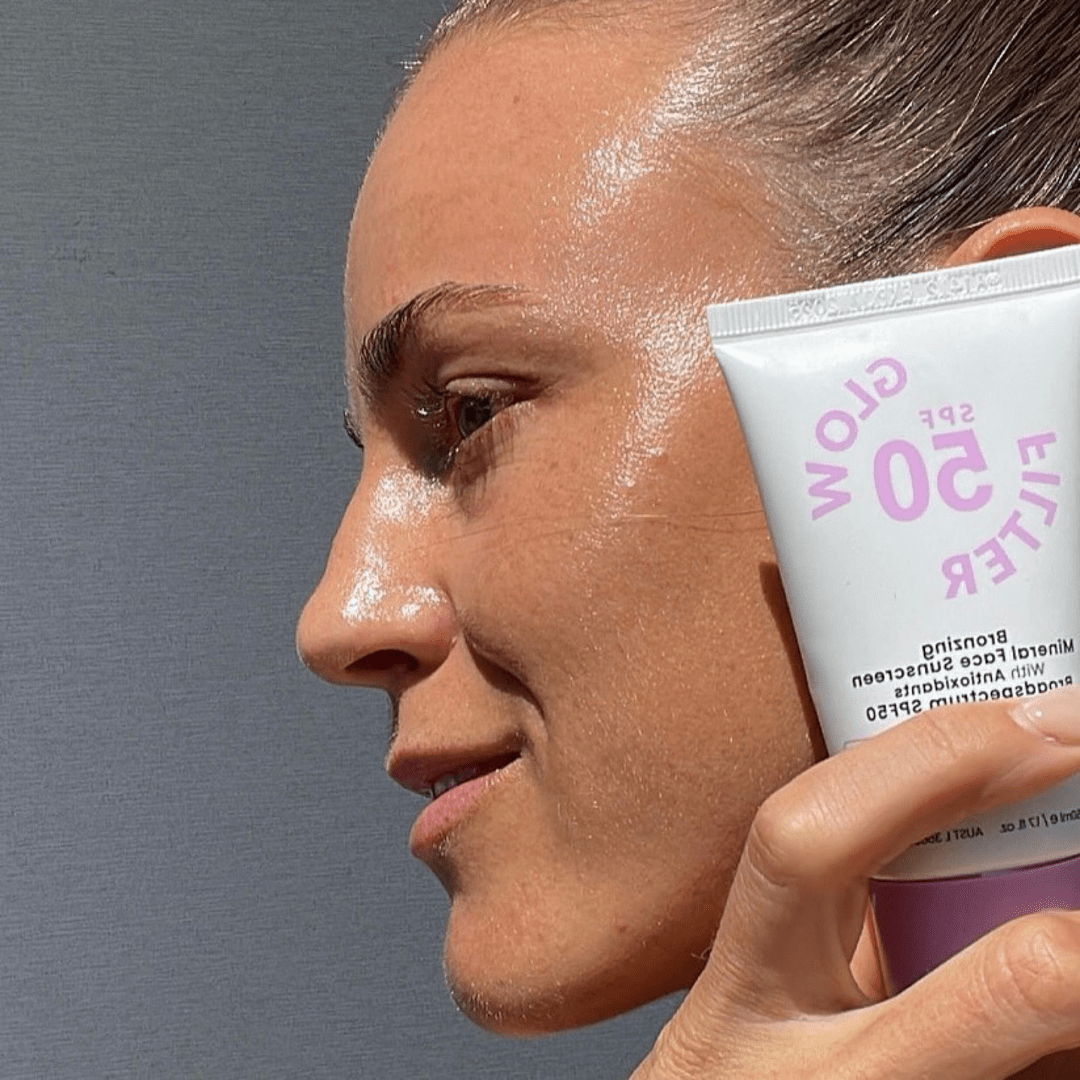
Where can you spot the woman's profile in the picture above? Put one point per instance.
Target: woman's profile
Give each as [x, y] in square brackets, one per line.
[555, 561]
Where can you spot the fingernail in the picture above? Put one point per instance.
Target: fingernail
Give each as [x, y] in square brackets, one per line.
[1055, 715]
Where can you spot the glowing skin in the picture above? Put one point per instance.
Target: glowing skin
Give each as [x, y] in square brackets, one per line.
[581, 604]
[398, 498]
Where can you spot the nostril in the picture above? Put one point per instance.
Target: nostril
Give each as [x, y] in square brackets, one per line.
[381, 663]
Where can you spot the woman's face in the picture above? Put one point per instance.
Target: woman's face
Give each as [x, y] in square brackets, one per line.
[555, 561]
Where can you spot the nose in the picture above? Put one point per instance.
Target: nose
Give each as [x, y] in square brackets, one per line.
[378, 616]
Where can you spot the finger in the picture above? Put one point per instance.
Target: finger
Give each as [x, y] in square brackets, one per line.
[1003, 1003]
[866, 966]
[798, 901]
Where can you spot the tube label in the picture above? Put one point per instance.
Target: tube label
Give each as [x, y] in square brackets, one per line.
[923, 504]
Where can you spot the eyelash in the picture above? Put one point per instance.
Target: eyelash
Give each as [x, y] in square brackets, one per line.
[449, 449]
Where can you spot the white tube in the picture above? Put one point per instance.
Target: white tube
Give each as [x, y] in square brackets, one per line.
[916, 443]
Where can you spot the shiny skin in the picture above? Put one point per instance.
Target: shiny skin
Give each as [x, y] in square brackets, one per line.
[587, 579]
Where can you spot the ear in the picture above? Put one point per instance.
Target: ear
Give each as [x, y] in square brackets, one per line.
[1017, 233]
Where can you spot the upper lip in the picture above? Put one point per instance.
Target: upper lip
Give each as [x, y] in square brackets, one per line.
[420, 769]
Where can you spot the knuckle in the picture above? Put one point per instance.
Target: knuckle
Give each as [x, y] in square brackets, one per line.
[786, 837]
[1035, 968]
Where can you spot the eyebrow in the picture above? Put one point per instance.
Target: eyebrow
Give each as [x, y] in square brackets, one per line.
[375, 357]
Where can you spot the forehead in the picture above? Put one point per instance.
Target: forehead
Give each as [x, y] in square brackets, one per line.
[485, 172]
[563, 161]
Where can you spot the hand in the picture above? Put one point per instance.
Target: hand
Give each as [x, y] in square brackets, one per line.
[792, 988]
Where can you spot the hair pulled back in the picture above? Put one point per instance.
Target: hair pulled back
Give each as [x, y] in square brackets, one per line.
[889, 127]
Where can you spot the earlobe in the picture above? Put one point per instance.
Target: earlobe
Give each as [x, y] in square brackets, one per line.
[1018, 233]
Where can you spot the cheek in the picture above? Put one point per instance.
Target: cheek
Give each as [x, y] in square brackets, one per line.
[691, 704]
[634, 613]
[665, 709]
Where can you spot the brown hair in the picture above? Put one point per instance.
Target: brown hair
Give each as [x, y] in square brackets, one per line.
[892, 127]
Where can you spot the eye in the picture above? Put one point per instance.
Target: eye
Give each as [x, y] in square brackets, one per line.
[461, 423]
[472, 411]
[467, 405]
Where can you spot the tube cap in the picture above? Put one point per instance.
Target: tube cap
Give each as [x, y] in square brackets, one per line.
[920, 924]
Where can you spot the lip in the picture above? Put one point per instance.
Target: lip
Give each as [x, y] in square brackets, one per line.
[447, 812]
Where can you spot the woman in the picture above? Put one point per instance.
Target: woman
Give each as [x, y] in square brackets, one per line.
[555, 561]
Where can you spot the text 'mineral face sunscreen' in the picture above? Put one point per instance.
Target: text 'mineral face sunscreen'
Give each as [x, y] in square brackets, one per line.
[916, 442]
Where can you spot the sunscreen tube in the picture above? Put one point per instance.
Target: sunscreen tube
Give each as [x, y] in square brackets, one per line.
[916, 443]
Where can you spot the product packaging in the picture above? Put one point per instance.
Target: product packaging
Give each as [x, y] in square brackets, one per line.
[916, 442]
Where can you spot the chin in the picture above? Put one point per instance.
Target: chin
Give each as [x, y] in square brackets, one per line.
[525, 1009]
[512, 1011]
[526, 982]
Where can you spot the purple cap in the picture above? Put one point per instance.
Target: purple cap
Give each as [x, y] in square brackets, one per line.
[920, 924]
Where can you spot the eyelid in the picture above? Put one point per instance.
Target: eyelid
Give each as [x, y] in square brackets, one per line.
[501, 392]
[487, 385]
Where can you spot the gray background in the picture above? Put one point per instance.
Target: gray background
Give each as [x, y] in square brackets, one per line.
[202, 867]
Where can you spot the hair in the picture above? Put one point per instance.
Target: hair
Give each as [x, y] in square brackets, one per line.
[891, 127]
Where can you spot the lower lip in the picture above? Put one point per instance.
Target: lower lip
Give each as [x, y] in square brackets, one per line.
[442, 815]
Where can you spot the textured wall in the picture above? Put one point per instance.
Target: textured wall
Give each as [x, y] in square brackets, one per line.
[202, 867]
